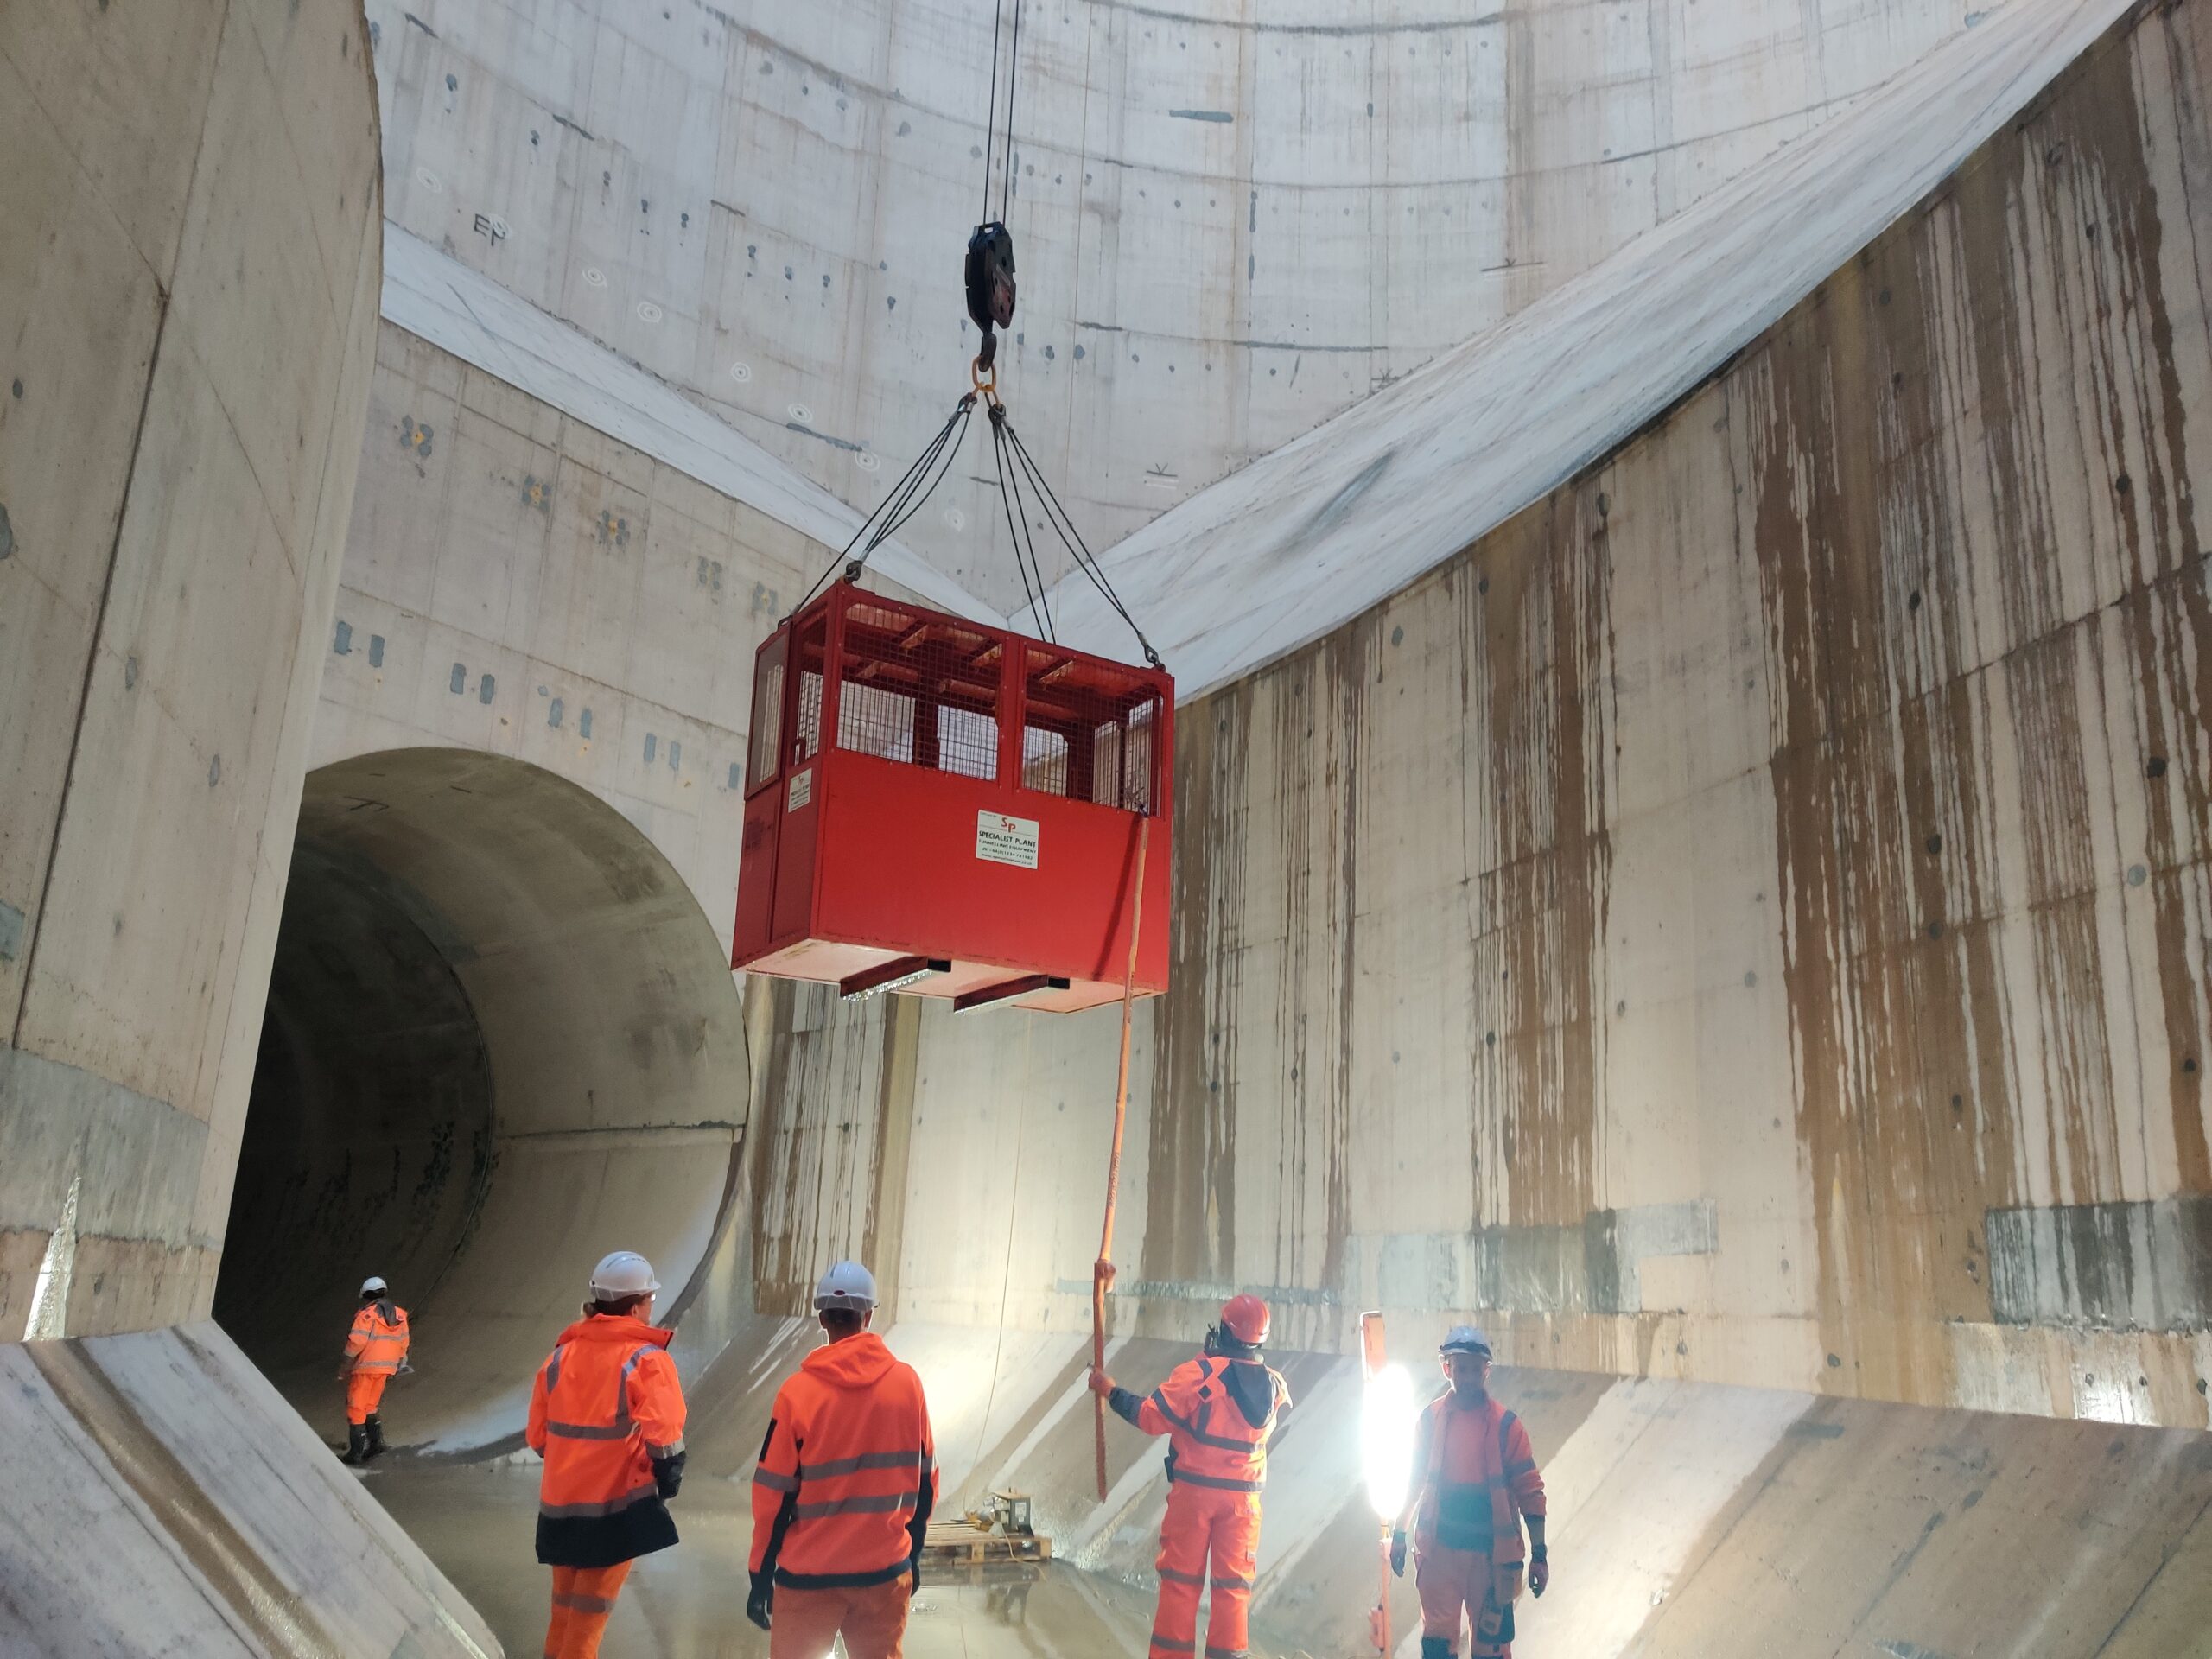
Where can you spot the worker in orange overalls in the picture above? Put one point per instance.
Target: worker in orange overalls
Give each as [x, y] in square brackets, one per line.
[1475, 1481]
[606, 1413]
[375, 1349]
[842, 1495]
[1219, 1411]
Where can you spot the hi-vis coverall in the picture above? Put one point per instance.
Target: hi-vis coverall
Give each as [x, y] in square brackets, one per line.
[1477, 1478]
[375, 1349]
[1218, 1415]
[842, 1501]
[606, 1413]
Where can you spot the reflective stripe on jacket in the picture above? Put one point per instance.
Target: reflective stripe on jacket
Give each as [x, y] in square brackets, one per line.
[1206, 1407]
[848, 1472]
[1478, 1477]
[606, 1406]
[377, 1342]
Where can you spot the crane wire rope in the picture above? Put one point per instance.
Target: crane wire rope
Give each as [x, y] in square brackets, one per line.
[991, 121]
[1018, 525]
[905, 499]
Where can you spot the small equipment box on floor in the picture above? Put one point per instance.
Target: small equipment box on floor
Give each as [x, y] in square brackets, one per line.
[998, 1532]
[940, 808]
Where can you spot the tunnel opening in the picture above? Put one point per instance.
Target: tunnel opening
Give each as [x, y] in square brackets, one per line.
[501, 1038]
[368, 1133]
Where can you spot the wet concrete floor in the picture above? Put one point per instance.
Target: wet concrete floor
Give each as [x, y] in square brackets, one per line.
[689, 1603]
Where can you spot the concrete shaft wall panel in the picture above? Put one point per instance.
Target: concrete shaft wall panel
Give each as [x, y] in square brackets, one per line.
[519, 584]
[188, 313]
[1233, 219]
[1745, 918]
[503, 1041]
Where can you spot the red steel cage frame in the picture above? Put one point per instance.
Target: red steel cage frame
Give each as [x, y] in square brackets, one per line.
[951, 810]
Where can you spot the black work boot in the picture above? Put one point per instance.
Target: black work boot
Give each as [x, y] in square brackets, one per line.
[375, 1426]
[1435, 1647]
[357, 1445]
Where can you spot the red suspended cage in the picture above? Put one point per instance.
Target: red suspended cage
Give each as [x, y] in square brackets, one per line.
[949, 809]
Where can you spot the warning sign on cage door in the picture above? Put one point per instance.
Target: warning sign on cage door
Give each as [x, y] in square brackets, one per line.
[802, 789]
[1001, 840]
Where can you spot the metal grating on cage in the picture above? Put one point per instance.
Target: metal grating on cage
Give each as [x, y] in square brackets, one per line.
[918, 687]
[765, 756]
[812, 644]
[1087, 731]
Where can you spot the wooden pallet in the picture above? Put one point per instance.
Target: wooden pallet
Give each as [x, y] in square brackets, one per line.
[957, 1544]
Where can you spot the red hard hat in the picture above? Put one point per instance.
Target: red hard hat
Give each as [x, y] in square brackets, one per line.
[1245, 1318]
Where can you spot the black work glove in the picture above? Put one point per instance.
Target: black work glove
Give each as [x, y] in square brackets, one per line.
[1398, 1552]
[758, 1605]
[668, 1475]
[914, 1574]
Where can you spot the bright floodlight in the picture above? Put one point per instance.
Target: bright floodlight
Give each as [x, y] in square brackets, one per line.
[1386, 1439]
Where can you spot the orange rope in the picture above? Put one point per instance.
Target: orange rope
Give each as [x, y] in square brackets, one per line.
[1102, 1275]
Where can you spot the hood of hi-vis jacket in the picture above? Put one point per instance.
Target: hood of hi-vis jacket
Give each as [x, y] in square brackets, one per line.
[858, 1362]
[847, 1473]
[606, 1403]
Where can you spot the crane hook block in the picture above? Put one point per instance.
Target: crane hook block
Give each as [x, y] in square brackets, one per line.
[990, 278]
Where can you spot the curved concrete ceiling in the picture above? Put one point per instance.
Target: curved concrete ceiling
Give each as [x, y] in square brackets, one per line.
[1308, 537]
[1236, 218]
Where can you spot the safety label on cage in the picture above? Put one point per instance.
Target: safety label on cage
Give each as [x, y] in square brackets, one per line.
[802, 789]
[1001, 840]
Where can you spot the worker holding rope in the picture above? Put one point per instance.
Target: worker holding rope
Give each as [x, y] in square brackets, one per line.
[1219, 1411]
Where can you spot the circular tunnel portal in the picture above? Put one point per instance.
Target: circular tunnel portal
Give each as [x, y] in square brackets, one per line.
[501, 1040]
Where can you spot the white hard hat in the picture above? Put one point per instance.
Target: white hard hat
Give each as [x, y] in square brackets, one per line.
[1464, 1339]
[624, 1273]
[372, 1286]
[848, 1286]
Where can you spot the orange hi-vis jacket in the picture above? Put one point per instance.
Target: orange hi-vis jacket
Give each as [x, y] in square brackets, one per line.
[605, 1408]
[848, 1472]
[377, 1345]
[1478, 1477]
[1218, 1415]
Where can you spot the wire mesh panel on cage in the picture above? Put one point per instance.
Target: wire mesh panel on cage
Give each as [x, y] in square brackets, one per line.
[972, 830]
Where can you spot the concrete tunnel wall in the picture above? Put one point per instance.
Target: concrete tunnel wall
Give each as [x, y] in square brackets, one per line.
[504, 1041]
[1744, 919]
[188, 313]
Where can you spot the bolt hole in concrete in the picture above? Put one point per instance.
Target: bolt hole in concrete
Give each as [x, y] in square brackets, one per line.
[501, 1040]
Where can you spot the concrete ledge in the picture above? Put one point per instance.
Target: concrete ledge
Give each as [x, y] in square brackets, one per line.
[163, 1498]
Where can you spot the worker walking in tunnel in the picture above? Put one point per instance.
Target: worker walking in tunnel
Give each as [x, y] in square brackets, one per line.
[842, 1495]
[607, 1414]
[376, 1348]
[1475, 1481]
[1219, 1411]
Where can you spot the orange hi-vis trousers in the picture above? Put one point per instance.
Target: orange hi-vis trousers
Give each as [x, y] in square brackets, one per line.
[1206, 1532]
[583, 1598]
[1457, 1584]
[363, 1394]
[806, 1624]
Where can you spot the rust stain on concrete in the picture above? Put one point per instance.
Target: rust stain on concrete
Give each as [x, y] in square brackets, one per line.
[1968, 447]
[1191, 1190]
